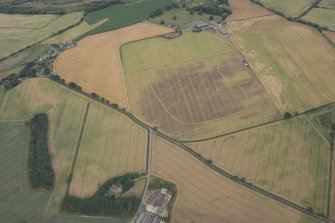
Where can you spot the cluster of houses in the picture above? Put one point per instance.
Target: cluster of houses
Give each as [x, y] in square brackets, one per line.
[56, 49]
[198, 26]
[156, 207]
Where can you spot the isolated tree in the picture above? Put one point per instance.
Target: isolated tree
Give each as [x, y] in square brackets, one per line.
[94, 95]
[287, 115]
[174, 17]
[162, 22]
[211, 18]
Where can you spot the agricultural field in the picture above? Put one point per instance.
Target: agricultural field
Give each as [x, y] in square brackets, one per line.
[203, 195]
[66, 110]
[321, 16]
[75, 32]
[284, 64]
[111, 146]
[193, 87]
[183, 18]
[329, 4]
[289, 158]
[245, 9]
[289, 8]
[103, 73]
[330, 36]
[20, 31]
[124, 14]
[16, 195]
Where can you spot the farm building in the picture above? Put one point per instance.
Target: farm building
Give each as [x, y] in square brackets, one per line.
[157, 202]
[197, 26]
[145, 217]
[114, 189]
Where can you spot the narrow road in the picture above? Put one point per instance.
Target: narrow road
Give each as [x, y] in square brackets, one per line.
[148, 168]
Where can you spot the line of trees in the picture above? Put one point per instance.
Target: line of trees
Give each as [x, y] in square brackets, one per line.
[40, 171]
[295, 19]
[102, 204]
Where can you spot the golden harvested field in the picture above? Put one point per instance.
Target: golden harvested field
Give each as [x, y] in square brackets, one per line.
[20, 31]
[289, 158]
[74, 32]
[244, 9]
[95, 63]
[194, 86]
[276, 50]
[330, 35]
[205, 196]
[288, 7]
[111, 146]
[322, 17]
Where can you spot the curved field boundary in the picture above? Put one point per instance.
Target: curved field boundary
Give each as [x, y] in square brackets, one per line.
[210, 165]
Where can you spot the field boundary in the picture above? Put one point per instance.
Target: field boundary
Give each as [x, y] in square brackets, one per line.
[208, 164]
[78, 147]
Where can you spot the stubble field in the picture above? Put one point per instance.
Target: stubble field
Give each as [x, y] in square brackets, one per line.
[276, 50]
[288, 158]
[95, 63]
[194, 86]
[244, 9]
[205, 196]
[111, 146]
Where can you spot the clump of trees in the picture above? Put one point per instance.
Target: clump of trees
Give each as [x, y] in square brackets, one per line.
[287, 115]
[74, 86]
[101, 204]
[10, 81]
[40, 171]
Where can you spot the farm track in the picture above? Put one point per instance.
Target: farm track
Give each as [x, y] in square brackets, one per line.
[212, 166]
[78, 145]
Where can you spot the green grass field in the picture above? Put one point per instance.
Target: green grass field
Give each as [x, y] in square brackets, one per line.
[289, 158]
[284, 64]
[288, 7]
[329, 4]
[183, 18]
[18, 32]
[122, 15]
[321, 16]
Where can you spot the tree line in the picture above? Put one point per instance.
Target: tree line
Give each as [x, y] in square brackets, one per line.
[40, 171]
[103, 204]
